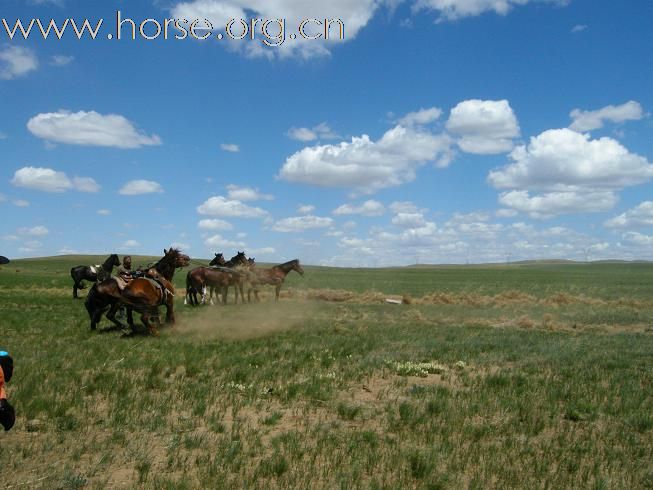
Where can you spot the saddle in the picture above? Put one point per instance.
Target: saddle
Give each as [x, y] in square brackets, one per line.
[160, 286]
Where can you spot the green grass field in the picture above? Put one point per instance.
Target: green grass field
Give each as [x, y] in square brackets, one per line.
[513, 376]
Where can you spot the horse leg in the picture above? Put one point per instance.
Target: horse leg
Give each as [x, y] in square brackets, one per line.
[96, 316]
[77, 285]
[170, 313]
[277, 289]
[152, 328]
[111, 315]
[130, 317]
[225, 290]
[145, 320]
[211, 291]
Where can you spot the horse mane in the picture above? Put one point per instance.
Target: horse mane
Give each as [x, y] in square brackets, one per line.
[164, 265]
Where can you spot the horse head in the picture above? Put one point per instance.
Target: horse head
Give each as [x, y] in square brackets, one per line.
[297, 267]
[239, 258]
[181, 259]
[173, 259]
[218, 260]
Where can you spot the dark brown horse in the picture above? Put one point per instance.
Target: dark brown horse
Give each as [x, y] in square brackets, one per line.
[234, 268]
[274, 276]
[218, 276]
[144, 294]
[95, 273]
[196, 280]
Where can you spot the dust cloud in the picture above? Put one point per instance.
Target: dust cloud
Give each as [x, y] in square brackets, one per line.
[245, 321]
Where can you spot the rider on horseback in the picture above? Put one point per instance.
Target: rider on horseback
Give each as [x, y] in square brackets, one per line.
[124, 274]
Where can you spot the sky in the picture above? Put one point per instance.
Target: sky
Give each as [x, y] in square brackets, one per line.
[434, 131]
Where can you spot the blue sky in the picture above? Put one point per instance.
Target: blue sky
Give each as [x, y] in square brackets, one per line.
[438, 131]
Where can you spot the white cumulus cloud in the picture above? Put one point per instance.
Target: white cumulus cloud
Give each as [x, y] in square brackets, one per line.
[61, 60]
[483, 127]
[590, 120]
[562, 159]
[222, 206]
[367, 165]
[354, 16]
[130, 244]
[16, 61]
[421, 117]
[409, 220]
[230, 147]
[550, 204]
[220, 243]
[239, 193]
[573, 173]
[639, 216]
[298, 224]
[89, 128]
[305, 209]
[140, 186]
[320, 132]
[50, 180]
[639, 239]
[457, 9]
[34, 231]
[214, 224]
[368, 208]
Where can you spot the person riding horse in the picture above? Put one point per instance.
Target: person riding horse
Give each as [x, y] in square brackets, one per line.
[124, 274]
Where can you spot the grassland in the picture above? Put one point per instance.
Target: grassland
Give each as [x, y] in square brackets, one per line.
[520, 376]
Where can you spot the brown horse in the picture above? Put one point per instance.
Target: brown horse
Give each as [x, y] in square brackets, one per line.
[220, 275]
[273, 276]
[143, 294]
[234, 269]
[196, 280]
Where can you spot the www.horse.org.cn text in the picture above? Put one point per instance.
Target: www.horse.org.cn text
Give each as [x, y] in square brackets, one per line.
[271, 32]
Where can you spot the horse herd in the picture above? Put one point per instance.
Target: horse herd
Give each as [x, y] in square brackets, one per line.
[153, 287]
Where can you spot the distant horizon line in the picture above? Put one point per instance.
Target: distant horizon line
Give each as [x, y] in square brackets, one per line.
[424, 264]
